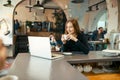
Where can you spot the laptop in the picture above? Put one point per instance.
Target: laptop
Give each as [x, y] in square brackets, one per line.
[40, 47]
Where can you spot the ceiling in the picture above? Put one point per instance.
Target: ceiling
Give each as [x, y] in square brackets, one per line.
[50, 4]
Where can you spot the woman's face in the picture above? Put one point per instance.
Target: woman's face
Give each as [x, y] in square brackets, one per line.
[69, 28]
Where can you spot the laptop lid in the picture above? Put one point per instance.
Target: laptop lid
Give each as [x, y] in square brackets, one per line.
[40, 47]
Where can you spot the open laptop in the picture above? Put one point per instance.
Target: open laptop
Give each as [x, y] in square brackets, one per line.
[40, 47]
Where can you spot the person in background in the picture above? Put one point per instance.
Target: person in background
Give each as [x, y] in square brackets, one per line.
[53, 41]
[98, 34]
[74, 40]
[82, 30]
[2, 55]
[16, 26]
[54, 45]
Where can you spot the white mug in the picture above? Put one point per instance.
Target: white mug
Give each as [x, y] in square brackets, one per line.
[57, 48]
[65, 36]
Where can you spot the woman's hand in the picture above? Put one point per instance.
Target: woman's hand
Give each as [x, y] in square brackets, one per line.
[72, 37]
[64, 38]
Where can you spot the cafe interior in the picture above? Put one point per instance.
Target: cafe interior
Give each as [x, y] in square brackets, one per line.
[22, 20]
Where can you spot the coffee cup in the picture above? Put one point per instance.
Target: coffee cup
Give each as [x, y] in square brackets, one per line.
[57, 48]
[65, 36]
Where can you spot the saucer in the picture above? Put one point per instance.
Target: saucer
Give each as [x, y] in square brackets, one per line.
[67, 53]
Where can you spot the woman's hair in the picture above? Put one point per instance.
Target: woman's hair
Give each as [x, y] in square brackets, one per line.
[75, 25]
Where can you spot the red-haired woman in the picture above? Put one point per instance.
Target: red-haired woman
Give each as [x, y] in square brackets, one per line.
[74, 40]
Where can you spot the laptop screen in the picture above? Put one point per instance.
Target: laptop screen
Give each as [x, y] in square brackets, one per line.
[39, 46]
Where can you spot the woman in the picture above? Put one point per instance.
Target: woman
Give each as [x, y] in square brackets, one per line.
[73, 39]
[2, 55]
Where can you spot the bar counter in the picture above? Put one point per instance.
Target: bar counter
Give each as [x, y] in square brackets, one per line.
[28, 67]
[93, 56]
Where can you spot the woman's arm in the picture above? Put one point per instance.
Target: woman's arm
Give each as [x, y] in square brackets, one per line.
[64, 47]
[64, 42]
[82, 44]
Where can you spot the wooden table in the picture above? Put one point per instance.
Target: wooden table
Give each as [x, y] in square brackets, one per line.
[93, 56]
[28, 67]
